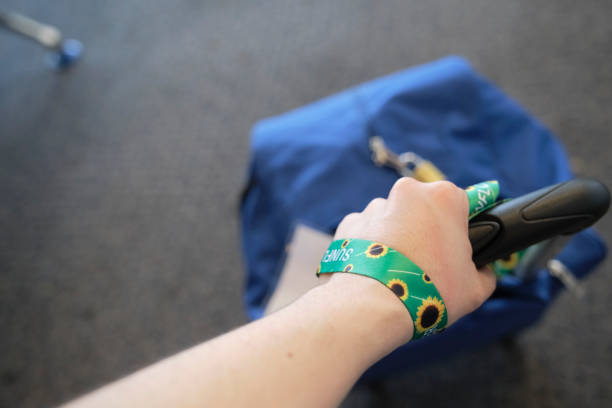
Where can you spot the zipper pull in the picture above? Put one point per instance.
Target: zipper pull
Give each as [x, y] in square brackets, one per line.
[422, 170]
[383, 156]
[557, 269]
[408, 164]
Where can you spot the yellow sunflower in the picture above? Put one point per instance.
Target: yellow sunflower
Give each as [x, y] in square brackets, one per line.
[399, 287]
[376, 250]
[429, 313]
[426, 278]
[348, 268]
[508, 262]
[345, 243]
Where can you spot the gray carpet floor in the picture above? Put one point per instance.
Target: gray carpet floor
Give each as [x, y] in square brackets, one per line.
[119, 180]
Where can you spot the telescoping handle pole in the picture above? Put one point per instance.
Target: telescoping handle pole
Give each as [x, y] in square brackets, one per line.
[561, 209]
[64, 52]
[44, 34]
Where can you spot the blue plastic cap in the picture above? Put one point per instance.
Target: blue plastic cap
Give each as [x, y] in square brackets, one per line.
[69, 53]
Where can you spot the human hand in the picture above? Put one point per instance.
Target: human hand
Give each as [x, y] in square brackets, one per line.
[428, 223]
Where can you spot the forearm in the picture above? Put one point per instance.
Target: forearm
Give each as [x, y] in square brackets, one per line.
[308, 354]
[311, 353]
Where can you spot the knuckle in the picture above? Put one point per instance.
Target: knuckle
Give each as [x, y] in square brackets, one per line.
[347, 224]
[351, 217]
[377, 201]
[374, 205]
[404, 184]
[446, 191]
[443, 186]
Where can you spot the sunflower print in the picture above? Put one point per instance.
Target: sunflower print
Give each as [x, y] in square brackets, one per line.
[398, 287]
[426, 278]
[348, 268]
[376, 250]
[429, 314]
[508, 262]
[345, 243]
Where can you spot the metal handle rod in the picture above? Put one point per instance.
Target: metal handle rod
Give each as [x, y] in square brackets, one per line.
[44, 34]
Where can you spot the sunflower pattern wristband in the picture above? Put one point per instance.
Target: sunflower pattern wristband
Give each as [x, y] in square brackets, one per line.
[388, 266]
[411, 285]
[482, 196]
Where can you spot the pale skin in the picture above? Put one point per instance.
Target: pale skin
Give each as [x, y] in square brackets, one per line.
[310, 353]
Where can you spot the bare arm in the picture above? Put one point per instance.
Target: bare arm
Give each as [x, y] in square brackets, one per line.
[312, 352]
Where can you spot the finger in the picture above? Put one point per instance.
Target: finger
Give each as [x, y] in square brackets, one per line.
[488, 280]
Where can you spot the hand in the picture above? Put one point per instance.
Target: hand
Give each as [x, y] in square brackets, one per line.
[428, 223]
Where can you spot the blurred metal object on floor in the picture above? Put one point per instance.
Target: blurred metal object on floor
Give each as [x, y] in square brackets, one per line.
[64, 52]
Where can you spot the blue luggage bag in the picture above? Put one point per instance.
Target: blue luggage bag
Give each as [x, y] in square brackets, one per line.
[445, 112]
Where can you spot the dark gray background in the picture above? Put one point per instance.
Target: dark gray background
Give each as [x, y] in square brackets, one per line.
[119, 180]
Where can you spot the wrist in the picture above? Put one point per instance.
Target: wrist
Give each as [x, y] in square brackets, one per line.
[367, 309]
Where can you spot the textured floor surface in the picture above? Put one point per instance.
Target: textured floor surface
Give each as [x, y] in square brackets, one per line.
[119, 180]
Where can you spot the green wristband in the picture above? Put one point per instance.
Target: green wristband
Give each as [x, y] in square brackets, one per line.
[482, 196]
[411, 285]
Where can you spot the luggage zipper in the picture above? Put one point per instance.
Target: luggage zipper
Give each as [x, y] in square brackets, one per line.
[407, 164]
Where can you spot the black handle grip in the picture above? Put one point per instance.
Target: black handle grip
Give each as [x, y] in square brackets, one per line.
[561, 209]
